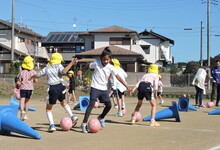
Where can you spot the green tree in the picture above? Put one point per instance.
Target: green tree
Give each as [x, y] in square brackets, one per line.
[192, 67]
[14, 66]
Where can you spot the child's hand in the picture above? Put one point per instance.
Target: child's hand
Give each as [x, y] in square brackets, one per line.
[18, 83]
[74, 61]
[131, 91]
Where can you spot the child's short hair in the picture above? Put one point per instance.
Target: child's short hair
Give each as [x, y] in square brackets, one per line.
[106, 52]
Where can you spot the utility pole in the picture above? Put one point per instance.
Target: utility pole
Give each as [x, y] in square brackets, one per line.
[201, 41]
[12, 33]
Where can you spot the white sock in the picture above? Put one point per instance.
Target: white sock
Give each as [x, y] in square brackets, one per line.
[68, 110]
[50, 117]
[152, 120]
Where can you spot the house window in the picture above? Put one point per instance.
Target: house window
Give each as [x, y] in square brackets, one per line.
[78, 49]
[20, 39]
[120, 41]
[92, 45]
[3, 38]
[146, 48]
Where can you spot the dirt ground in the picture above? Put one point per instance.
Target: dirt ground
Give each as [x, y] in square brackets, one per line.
[196, 131]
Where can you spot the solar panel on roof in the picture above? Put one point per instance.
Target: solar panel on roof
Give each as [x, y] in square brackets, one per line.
[50, 38]
[61, 38]
[66, 39]
[74, 38]
[56, 37]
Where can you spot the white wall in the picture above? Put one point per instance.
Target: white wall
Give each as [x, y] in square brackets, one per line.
[154, 49]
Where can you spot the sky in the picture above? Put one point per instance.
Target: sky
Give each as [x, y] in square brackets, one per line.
[168, 18]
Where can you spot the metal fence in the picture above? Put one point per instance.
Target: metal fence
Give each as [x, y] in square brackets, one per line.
[7, 78]
[182, 80]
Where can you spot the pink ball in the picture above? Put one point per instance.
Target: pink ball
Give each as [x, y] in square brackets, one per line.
[96, 104]
[210, 104]
[138, 116]
[123, 111]
[66, 123]
[94, 125]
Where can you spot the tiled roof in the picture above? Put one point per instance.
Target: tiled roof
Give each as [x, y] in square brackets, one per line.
[116, 51]
[113, 29]
[21, 29]
[157, 35]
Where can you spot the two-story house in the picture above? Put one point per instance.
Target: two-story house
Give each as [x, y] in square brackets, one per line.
[134, 50]
[120, 40]
[157, 48]
[27, 43]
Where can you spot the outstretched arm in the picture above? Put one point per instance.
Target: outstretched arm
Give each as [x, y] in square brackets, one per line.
[123, 82]
[73, 62]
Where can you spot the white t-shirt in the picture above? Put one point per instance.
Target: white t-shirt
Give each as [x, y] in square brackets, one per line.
[101, 74]
[117, 84]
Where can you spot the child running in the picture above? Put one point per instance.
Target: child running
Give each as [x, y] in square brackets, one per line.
[147, 88]
[71, 92]
[102, 70]
[26, 86]
[160, 90]
[120, 88]
[57, 90]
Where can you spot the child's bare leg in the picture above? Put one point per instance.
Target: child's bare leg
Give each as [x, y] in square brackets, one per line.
[138, 106]
[153, 112]
[119, 108]
[136, 110]
[74, 97]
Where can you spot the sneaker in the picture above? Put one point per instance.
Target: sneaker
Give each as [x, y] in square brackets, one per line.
[84, 128]
[202, 106]
[161, 103]
[116, 106]
[22, 115]
[74, 119]
[119, 114]
[52, 128]
[102, 122]
[133, 120]
[154, 124]
[25, 117]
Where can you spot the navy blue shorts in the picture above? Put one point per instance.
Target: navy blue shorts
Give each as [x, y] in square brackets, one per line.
[56, 92]
[114, 93]
[120, 94]
[26, 93]
[145, 91]
[159, 93]
[103, 96]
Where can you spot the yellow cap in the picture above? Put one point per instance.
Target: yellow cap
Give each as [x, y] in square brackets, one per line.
[159, 76]
[56, 58]
[28, 63]
[70, 72]
[153, 69]
[116, 63]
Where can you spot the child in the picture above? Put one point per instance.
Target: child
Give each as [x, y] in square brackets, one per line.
[57, 90]
[120, 88]
[26, 86]
[160, 90]
[101, 73]
[71, 91]
[147, 88]
[112, 91]
[16, 90]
